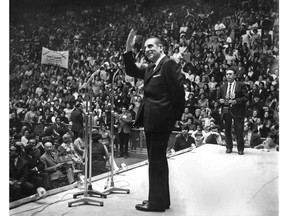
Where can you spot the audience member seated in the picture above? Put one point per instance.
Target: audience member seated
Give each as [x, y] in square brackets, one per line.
[251, 136]
[269, 144]
[100, 155]
[57, 171]
[67, 148]
[59, 128]
[214, 136]
[18, 169]
[36, 174]
[79, 145]
[183, 140]
[198, 135]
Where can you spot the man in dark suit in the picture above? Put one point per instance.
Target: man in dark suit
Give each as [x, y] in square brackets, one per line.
[162, 105]
[77, 120]
[35, 175]
[233, 97]
[18, 170]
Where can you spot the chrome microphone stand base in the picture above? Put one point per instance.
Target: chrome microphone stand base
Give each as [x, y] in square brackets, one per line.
[86, 200]
[113, 189]
[90, 192]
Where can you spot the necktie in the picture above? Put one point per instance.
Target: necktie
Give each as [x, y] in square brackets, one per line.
[229, 90]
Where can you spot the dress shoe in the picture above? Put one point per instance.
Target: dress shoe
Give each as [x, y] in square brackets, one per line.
[228, 151]
[240, 152]
[145, 202]
[148, 208]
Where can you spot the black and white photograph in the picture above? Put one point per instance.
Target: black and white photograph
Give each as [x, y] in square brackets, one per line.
[144, 107]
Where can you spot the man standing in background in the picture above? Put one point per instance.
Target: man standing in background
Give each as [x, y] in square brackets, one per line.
[233, 96]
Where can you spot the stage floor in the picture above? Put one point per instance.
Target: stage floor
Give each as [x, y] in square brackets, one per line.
[203, 182]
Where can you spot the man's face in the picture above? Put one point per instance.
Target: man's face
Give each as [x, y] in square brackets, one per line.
[48, 147]
[184, 132]
[230, 75]
[152, 50]
[13, 152]
[246, 127]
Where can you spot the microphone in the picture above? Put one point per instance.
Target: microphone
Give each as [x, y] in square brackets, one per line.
[41, 192]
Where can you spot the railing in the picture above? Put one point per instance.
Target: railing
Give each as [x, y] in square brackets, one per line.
[137, 137]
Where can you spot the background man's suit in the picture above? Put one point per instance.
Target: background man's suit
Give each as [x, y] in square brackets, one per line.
[51, 167]
[237, 112]
[162, 105]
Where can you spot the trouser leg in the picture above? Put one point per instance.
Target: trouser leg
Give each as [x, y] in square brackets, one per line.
[158, 169]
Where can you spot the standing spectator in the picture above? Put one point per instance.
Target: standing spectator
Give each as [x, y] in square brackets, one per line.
[161, 107]
[124, 130]
[131, 110]
[233, 97]
[77, 120]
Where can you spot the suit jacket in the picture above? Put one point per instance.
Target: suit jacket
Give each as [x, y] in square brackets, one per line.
[125, 122]
[164, 96]
[34, 161]
[77, 120]
[241, 97]
[50, 165]
[19, 171]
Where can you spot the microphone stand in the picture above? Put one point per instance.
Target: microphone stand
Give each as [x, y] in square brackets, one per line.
[88, 191]
[112, 188]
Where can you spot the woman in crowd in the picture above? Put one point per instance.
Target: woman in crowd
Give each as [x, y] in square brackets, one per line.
[67, 148]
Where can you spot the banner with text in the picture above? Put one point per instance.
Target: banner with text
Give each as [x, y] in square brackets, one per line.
[52, 57]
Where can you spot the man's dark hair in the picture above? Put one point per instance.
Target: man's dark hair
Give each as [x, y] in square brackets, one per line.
[186, 127]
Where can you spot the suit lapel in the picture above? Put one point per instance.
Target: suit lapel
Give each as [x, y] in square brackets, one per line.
[151, 72]
[49, 156]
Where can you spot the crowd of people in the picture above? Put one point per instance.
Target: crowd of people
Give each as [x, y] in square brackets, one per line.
[204, 38]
